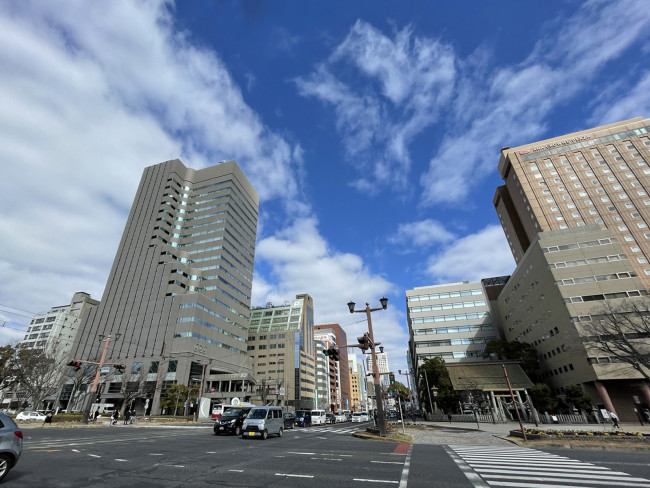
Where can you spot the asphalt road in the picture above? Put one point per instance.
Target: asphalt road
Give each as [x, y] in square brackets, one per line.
[143, 457]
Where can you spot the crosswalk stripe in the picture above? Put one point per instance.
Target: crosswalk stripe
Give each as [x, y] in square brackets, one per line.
[529, 468]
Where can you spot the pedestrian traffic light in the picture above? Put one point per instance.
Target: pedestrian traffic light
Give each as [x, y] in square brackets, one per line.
[75, 364]
[391, 377]
[119, 368]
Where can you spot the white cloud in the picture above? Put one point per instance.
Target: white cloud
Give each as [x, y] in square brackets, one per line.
[517, 99]
[405, 81]
[91, 94]
[484, 254]
[423, 233]
[302, 262]
[627, 102]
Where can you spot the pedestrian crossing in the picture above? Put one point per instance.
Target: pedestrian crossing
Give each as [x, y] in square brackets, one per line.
[324, 429]
[520, 467]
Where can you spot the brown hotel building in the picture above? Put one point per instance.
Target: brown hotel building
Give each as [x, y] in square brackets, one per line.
[596, 176]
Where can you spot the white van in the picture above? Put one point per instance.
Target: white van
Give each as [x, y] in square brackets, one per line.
[262, 422]
[318, 417]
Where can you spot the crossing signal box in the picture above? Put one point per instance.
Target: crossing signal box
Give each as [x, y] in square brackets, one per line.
[391, 377]
[364, 342]
[120, 368]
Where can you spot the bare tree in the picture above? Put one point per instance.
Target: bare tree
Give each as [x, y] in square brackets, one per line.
[80, 379]
[622, 332]
[38, 373]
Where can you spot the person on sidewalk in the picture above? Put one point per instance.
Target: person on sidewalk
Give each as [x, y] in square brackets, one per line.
[614, 418]
[127, 416]
[115, 416]
[48, 419]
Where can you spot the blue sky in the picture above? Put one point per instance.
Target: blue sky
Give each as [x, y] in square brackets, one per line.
[370, 129]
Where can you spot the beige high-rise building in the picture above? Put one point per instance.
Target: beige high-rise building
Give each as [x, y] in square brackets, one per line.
[177, 301]
[281, 343]
[595, 176]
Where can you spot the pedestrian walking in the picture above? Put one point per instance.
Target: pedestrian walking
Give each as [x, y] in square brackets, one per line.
[95, 415]
[127, 416]
[614, 418]
[48, 418]
[133, 419]
[115, 416]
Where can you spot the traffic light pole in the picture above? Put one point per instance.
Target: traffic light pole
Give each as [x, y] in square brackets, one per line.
[93, 387]
[379, 401]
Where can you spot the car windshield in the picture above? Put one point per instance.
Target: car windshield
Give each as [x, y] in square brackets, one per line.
[257, 414]
[232, 412]
[301, 413]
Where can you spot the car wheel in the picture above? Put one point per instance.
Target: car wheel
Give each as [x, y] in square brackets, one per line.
[5, 465]
[265, 435]
[238, 430]
[281, 432]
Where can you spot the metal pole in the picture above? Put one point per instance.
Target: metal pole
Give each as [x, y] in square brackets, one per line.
[375, 374]
[429, 392]
[514, 403]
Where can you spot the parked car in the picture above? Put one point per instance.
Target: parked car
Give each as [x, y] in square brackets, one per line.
[27, 415]
[360, 417]
[330, 418]
[262, 422]
[231, 421]
[340, 417]
[303, 418]
[11, 444]
[289, 420]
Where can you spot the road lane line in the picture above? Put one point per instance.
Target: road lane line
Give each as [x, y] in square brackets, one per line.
[302, 453]
[94, 455]
[375, 481]
[236, 470]
[407, 467]
[387, 462]
[122, 460]
[469, 473]
[294, 475]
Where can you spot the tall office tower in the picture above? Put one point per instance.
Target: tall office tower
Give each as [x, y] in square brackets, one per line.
[452, 321]
[281, 343]
[596, 176]
[358, 368]
[342, 366]
[325, 375]
[177, 300]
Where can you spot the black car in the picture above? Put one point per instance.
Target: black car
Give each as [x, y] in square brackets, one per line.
[289, 420]
[303, 418]
[231, 421]
[330, 418]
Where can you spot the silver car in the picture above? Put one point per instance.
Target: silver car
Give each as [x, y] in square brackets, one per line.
[11, 444]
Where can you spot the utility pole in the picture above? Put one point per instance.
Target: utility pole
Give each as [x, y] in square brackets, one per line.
[375, 368]
[93, 387]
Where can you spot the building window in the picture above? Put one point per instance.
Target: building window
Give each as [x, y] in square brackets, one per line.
[171, 366]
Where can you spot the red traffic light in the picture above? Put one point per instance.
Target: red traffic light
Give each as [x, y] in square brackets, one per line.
[75, 364]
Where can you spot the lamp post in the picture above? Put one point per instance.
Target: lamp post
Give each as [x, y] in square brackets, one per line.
[375, 367]
[408, 382]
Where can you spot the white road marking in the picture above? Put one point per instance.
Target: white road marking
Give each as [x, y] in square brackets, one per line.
[122, 460]
[328, 459]
[375, 481]
[387, 462]
[303, 453]
[407, 467]
[236, 470]
[94, 455]
[294, 475]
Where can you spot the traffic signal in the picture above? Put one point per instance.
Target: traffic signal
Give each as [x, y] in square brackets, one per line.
[391, 377]
[75, 364]
[119, 368]
[332, 353]
[364, 342]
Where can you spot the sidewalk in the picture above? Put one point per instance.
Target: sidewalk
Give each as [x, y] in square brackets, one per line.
[505, 428]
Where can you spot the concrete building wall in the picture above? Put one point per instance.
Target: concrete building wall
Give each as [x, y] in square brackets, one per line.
[596, 176]
[178, 294]
[344, 397]
[563, 279]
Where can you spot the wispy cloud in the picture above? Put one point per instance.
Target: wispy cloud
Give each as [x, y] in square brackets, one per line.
[514, 102]
[623, 101]
[405, 79]
[91, 95]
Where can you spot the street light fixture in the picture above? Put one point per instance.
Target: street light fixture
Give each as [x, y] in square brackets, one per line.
[375, 368]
